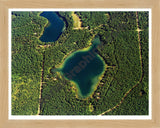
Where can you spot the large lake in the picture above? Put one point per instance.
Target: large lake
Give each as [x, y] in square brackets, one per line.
[84, 68]
[54, 27]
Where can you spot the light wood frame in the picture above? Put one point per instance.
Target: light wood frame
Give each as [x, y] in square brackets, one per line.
[4, 8]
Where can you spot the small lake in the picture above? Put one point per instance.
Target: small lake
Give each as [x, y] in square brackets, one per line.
[84, 68]
[54, 27]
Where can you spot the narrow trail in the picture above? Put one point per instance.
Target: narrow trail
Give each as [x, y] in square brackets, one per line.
[41, 85]
[140, 52]
[44, 46]
[140, 80]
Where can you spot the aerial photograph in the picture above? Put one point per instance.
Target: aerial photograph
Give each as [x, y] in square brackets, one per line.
[79, 63]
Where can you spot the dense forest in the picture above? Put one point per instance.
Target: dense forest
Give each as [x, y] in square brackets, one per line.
[38, 89]
[26, 62]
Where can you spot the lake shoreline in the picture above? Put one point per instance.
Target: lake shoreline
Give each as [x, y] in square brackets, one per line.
[96, 79]
[44, 25]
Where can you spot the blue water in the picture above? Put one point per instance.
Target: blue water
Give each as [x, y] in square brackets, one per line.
[54, 28]
[84, 67]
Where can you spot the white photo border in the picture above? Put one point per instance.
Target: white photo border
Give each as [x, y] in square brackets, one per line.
[86, 117]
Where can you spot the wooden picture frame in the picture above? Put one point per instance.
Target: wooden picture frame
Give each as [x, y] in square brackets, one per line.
[4, 30]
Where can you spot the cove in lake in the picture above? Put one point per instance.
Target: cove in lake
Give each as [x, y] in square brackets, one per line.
[84, 68]
[54, 27]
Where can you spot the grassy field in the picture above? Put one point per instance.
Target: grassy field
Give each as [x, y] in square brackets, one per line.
[76, 21]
